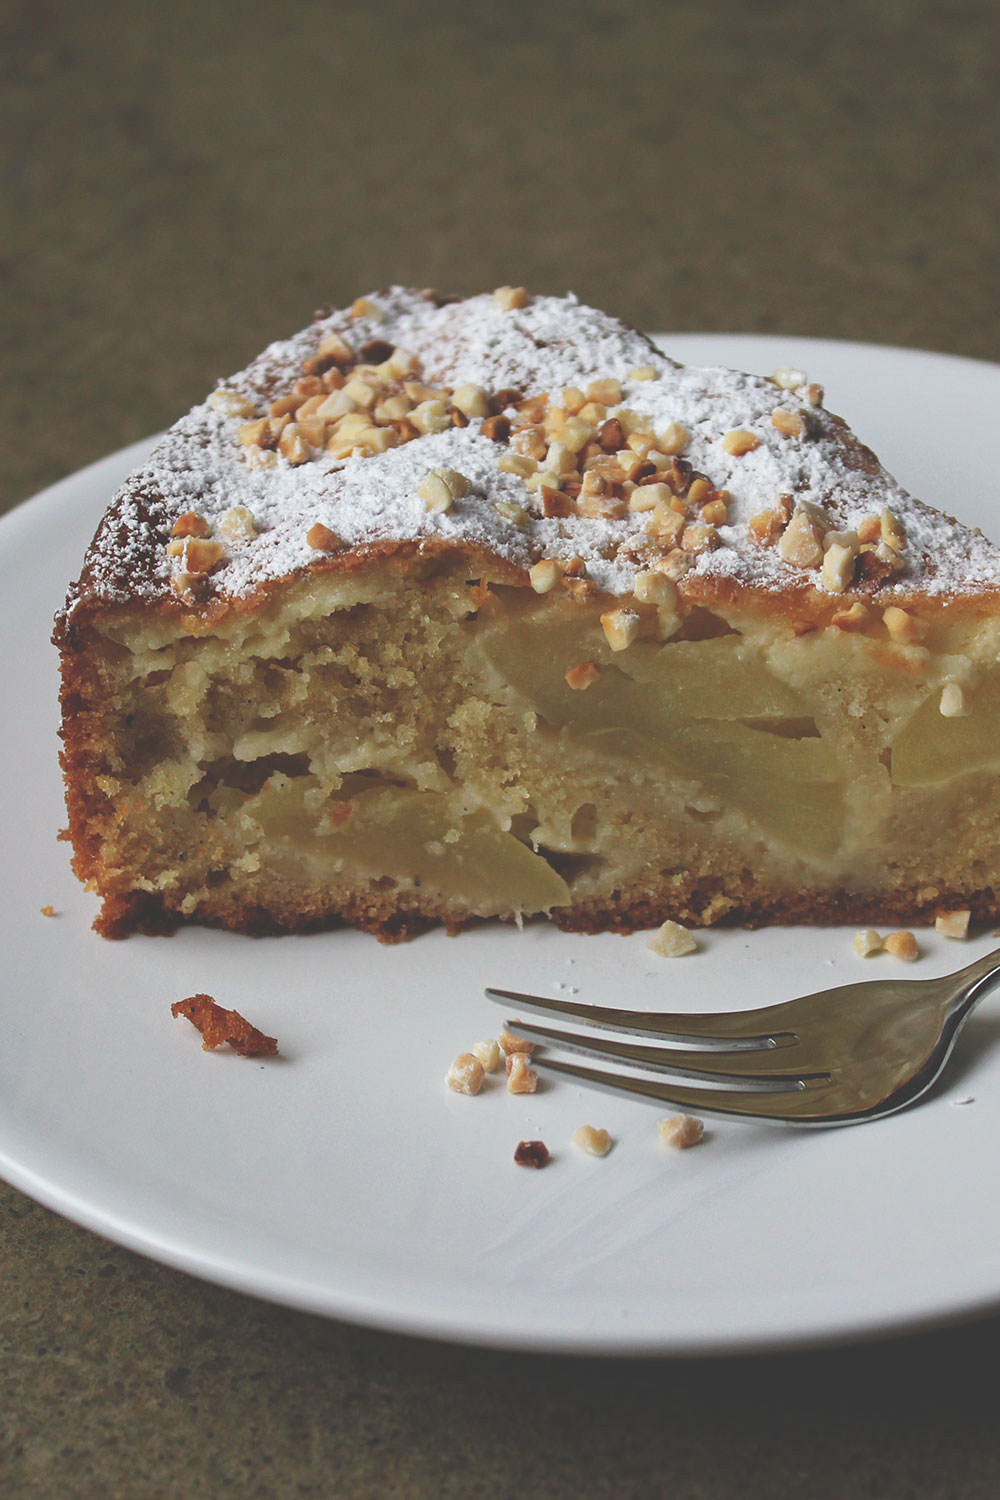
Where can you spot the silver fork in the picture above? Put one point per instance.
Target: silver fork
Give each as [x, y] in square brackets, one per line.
[836, 1057]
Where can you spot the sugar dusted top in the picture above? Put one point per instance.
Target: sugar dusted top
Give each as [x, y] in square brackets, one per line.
[536, 429]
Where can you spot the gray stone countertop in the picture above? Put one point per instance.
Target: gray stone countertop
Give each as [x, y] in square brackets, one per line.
[183, 184]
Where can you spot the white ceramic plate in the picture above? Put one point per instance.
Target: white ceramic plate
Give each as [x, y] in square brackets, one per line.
[346, 1179]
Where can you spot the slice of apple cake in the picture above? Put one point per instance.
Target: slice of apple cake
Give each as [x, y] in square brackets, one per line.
[485, 608]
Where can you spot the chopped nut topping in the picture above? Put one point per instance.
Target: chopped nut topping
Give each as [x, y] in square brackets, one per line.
[337, 404]
[870, 529]
[401, 362]
[675, 564]
[231, 403]
[740, 441]
[517, 463]
[391, 409]
[252, 434]
[893, 531]
[559, 459]
[902, 945]
[838, 567]
[700, 492]
[681, 1131]
[953, 704]
[430, 416]
[801, 542]
[665, 525]
[788, 378]
[766, 527]
[471, 400]
[292, 446]
[605, 392]
[545, 574]
[583, 675]
[554, 502]
[376, 440]
[512, 512]
[511, 297]
[790, 423]
[521, 1077]
[284, 406]
[649, 496]
[332, 346]
[611, 435]
[575, 433]
[466, 1074]
[188, 586]
[868, 942]
[497, 429]
[594, 1142]
[620, 626]
[198, 555]
[699, 537]
[643, 372]
[237, 522]
[716, 512]
[655, 588]
[953, 924]
[191, 524]
[673, 439]
[672, 941]
[322, 539]
[362, 392]
[888, 557]
[362, 307]
[442, 488]
[543, 479]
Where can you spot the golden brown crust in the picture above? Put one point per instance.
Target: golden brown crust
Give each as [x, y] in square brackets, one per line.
[220, 1027]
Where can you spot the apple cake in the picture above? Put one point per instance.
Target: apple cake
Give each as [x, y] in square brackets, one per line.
[452, 609]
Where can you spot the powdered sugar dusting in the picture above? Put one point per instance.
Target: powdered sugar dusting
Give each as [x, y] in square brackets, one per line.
[550, 343]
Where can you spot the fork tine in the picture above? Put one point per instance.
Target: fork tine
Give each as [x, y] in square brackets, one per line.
[799, 1105]
[727, 1031]
[746, 1067]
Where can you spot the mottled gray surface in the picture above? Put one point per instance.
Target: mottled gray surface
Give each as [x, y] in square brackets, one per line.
[183, 184]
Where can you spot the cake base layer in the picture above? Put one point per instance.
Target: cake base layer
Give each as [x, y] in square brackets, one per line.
[415, 742]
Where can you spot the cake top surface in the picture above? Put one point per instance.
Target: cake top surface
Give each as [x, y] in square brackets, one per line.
[535, 429]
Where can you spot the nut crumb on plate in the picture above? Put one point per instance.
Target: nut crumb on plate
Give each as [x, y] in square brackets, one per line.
[672, 941]
[532, 1154]
[953, 924]
[594, 1142]
[466, 1074]
[510, 1044]
[868, 942]
[681, 1131]
[489, 1054]
[902, 945]
[521, 1079]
